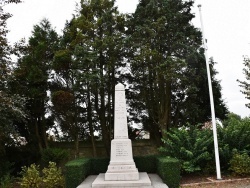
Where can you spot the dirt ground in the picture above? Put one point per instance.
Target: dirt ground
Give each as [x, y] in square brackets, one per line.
[196, 181]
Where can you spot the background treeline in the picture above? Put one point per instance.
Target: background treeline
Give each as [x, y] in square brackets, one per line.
[64, 84]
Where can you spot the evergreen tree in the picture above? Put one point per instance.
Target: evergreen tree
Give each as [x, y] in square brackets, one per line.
[246, 84]
[94, 40]
[11, 105]
[32, 82]
[191, 101]
[161, 37]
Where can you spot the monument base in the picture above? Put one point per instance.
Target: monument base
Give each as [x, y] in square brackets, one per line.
[121, 166]
[143, 181]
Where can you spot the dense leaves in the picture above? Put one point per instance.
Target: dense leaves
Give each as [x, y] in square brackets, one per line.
[245, 85]
[192, 146]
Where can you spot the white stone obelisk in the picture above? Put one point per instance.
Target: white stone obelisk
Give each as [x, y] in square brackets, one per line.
[121, 166]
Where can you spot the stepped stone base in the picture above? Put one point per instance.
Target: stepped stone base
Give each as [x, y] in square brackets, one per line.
[143, 181]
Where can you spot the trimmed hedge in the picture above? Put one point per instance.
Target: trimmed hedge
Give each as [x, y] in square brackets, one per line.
[99, 165]
[146, 163]
[76, 171]
[169, 170]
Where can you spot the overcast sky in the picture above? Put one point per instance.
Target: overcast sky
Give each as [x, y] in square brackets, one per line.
[226, 24]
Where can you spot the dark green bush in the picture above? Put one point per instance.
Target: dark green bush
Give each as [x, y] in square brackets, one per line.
[191, 146]
[146, 163]
[234, 136]
[56, 155]
[76, 171]
[169, 170]
[240, 164]
[99, 165]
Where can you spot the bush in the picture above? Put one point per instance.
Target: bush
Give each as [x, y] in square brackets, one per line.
[31, 177]
[169, 170]
[56, 155]
[6, 181]
[53, 177]
[76, 171]
[191, 146]
[146, 163]
[240, 164]
[99, 165]
[235, 136]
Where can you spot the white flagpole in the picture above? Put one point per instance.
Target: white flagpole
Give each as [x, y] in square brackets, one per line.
[217, 159]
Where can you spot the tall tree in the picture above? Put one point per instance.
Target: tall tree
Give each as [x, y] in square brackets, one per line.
[245, 85]
[191, 95]
[95, 39]
[32, 81]
[161, 37]
[10, 104]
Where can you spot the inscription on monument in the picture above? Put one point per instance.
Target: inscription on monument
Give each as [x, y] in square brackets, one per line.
[121, 149]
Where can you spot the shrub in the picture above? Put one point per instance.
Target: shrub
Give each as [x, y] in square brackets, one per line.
[76, 171]
[6, 181]
[169, 170]
[235, 136]
[240, 164]
[146, 163]
[30, 177]
[192, 147]
[53, 176]
[56, 155]
[99, 165]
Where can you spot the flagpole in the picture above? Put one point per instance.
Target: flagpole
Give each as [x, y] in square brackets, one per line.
[217, 159]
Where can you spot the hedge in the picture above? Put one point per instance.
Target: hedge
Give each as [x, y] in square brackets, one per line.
[99, 165]
[169, 170]
[76, 171]
[146, 163]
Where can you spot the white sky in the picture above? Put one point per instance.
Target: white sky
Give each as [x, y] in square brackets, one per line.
[226, 24]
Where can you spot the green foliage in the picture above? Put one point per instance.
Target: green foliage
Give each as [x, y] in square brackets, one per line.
[53, 176]
[6, 181]
[245, 85]
[234, 136]
[99, 165]
[169, 170]
[146, 163]
[192, 146]
[76, 171]
[5, 167]
[240, 164]
[56, 155]
[31, 177]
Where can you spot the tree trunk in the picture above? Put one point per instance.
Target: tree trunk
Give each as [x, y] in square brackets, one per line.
[76, 146]
[91, 129]
[45, 138]
[38, 139]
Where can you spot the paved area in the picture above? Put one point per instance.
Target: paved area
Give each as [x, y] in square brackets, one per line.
[155, 180]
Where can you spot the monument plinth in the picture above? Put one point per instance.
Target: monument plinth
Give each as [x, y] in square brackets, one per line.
[121, 171]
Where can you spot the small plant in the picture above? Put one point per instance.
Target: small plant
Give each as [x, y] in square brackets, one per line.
[50, 178]
[240, 164]
[53, 176]
[6, 181]
[30, 177]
